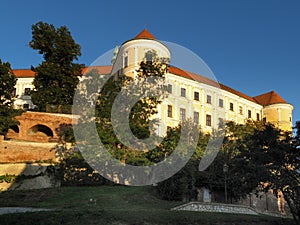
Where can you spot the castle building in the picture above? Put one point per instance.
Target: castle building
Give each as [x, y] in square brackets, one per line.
[191, 95]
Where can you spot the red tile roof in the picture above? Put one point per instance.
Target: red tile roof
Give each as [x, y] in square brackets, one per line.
[269, 98]
[24, 73]
[29, 73]
[205, 80]
[100, 69]
[264, 99]
[145, 34]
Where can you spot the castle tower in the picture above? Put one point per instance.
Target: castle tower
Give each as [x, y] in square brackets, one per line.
[276, 110]
[142, 47]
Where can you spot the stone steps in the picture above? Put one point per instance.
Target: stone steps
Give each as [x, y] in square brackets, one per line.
[216, 207]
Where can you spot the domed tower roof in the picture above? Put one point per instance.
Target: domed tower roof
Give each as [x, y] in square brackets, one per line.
[145, 34]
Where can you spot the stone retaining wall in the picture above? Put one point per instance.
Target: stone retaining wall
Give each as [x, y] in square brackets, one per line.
[215, 207]
[28, 176]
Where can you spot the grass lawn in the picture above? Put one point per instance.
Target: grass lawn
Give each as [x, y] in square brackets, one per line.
[113, 205]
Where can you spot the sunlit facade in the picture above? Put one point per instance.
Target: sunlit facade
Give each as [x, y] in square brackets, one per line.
[205, 101]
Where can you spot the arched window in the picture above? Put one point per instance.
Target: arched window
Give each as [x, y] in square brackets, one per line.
[125, 60]
[150, 55]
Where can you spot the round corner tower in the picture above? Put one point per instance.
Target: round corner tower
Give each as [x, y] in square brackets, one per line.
[143, 47]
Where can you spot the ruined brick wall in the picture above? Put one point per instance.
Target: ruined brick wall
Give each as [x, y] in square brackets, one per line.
[49, 121]
[19, 151]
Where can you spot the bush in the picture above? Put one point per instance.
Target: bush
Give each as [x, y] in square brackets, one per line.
[75, 171]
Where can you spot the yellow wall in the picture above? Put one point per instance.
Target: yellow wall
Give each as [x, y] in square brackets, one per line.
[279, 115]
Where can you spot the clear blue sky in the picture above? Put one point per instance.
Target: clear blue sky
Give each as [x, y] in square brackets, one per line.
[250, 45]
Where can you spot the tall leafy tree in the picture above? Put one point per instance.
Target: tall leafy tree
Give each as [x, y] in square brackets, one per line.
[7, 83]
[57, 76]
[274, 151]
[140, 113]
[242, 176]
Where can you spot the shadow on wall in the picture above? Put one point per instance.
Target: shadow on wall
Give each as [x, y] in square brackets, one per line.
[27, 165]
[26, 176]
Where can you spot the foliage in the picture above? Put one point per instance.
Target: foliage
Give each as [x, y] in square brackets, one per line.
[8, 178]
[297, 136]
[7, 84]
[182, 185]
[280, 160]
[75, 171]
[57, 76]
[139, 115]
[259, 156]
[243, 175]
[65, 133]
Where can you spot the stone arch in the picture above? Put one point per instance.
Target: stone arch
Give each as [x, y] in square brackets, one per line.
[13, 132]
[40, 130]
[15, 129]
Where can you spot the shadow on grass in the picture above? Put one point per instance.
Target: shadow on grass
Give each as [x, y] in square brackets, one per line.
[113, 205]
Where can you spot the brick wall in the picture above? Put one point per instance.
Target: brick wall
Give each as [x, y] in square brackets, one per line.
[20, 151]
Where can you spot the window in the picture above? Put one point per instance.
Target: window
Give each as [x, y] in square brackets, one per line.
[208, 99]
[14, 93]
[249, 114]
[221, 103]
[208, 120]
[26, 106]
[170, 88]
[170, 111]
[196, 117]
[183, 92]
[221, 123]
[264, 119]
[257, 117]
[27, 91]
[241, 110]
[125, 60]
[196, 96]
[149, 56]
[182, 114]
[231, 106]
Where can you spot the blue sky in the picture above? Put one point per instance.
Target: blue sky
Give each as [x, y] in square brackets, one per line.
[250, 45]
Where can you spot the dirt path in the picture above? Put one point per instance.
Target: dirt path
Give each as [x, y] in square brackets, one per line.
[8, 210]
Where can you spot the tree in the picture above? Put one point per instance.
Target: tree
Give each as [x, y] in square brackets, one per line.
[183, 184]
[7, 84]
[242, 176]
[297, 137]
[281, 160]
[140, 113]
[57, 76]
